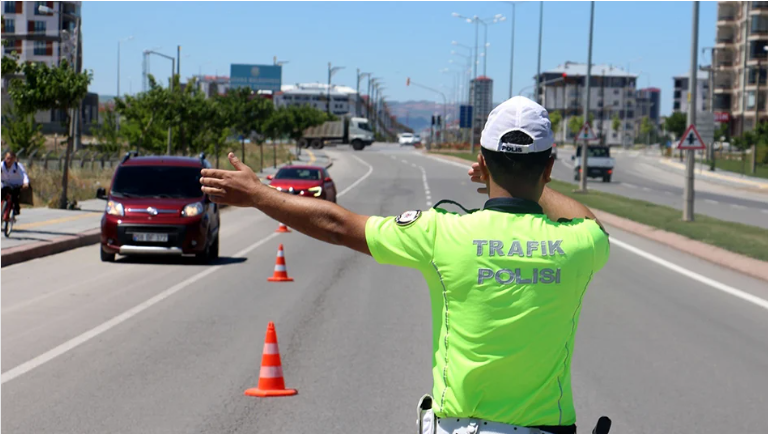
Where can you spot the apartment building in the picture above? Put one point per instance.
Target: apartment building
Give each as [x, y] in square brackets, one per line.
[612, 94]
[481, 95]
[38, 36]
[741, 50]
[680, 92]
[316, 95]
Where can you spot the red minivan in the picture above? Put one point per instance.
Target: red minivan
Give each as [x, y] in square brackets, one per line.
[155, 207]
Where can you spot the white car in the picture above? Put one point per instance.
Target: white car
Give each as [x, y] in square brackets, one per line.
[407, 139]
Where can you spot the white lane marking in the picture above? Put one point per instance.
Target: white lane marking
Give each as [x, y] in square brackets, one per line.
[685, 272]
[426, 186]
[414, 165]
[695, 276]
[765, 211]
[629, 185]
[668, 193]
[568, 165]
[646, 189]
[713, 202]
[405, 162]
[130, 313]
[733, 205]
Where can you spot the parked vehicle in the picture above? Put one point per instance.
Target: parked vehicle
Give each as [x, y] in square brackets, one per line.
[155, 207]
[309, 181]
[348, 130]
[599, 163]
[408, 139]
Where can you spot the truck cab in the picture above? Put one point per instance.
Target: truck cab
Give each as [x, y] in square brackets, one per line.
[599, 163]
[360, 131]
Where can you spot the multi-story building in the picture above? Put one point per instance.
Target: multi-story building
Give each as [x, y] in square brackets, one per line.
[481, 96]
[612, 94]
[342, 102]
[212, 85]
[37, 36]
[740, 51]
[680, 92]
[649, 103]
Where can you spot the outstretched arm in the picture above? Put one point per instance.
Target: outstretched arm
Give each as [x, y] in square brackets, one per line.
[318, 219]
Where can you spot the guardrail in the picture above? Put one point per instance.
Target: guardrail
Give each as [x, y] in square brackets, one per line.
[82, 159]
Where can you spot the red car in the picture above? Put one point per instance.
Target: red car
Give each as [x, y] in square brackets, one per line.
[310, 181]
[155, 207]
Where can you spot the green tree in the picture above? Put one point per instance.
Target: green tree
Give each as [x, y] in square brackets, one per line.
[218, 125]
[615, 123]
[248, 113]
[555, 118]
[144, 116]
[20, 131]
[723, 130]
[302, 117]
[645, 126]
[51, 88]
[107, 133]
[676, 124]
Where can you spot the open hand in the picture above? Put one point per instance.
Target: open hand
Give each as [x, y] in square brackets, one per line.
[238, 187]
[479, 174]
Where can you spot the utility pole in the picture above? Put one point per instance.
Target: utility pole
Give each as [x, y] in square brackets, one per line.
[585, 145]
[329, 89]
[512, 54]
[688, 192]
[538, 67]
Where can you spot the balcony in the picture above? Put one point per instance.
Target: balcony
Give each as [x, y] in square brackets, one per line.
[725, 41]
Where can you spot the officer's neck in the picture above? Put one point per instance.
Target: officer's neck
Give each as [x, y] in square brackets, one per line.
[533, 195]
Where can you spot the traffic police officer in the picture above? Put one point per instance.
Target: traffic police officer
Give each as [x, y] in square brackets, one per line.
[506, 282]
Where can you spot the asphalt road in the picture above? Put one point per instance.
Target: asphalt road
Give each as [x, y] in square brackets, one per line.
[169, 346]
[641, 177]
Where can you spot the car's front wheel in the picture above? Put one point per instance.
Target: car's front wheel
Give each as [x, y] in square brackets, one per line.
[106, 257]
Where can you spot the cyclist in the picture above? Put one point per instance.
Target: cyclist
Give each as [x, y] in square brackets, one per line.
[506, 282]
[14, 178]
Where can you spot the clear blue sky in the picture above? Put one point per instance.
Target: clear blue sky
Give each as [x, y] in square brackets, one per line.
[394, 40]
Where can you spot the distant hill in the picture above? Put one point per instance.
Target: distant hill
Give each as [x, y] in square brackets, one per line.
[418, 114]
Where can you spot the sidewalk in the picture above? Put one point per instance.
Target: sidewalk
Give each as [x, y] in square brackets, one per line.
[724, 176]
[44, 231]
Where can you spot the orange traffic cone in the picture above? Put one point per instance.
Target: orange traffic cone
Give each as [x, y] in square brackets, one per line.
[282, 229]
[281, 273]
[271, 382]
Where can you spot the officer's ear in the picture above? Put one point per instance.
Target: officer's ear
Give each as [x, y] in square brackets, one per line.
[547, 175]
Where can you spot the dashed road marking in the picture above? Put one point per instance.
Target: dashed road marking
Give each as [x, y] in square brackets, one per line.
[713, 202]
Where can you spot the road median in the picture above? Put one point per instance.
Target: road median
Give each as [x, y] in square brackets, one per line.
[740, 247]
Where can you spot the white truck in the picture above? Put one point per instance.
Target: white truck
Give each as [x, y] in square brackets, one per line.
[599, 163]
[348, 130]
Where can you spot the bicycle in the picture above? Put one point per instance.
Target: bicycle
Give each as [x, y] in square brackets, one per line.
[9, 214]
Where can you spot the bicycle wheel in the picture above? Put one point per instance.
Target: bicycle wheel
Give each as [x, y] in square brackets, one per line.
[7, 219]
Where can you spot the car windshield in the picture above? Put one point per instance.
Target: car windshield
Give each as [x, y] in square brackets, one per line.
[406, 135]
[595, 151]
[364, 126]
[157, 182]
[297, 173]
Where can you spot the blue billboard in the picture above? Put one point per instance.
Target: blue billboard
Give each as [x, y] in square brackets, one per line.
[257, 77]
[465, 116]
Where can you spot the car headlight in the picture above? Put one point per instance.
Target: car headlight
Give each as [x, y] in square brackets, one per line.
[316, 190]
[115, 208]
[192, 209]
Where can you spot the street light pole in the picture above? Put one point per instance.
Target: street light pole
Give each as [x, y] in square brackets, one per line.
[688, 193]
[538, 67]
[584, 146]
[119, 41]
[512, 54]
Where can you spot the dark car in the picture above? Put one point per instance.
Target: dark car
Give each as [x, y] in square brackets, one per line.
[309, 181]
[155, 207]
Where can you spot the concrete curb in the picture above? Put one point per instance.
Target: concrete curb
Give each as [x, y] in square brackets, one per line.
[15, 255]
[18, 254]
[743, 264]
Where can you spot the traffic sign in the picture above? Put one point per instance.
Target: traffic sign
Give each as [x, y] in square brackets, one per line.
[691, 140]
[586, 133]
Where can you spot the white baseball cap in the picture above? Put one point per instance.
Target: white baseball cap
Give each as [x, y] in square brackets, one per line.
[518, 114]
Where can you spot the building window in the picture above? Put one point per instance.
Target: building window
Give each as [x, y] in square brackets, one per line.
[39, 27]
[615, 103]
[9, 25]
[615, 91]
[9, 7]
[39, 48]
[37, 8]
[676, 106]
